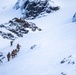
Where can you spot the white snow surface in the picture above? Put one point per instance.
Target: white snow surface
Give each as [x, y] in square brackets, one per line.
[56, 41]
[6, 4]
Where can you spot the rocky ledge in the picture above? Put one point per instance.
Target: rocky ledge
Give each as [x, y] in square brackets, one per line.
[35, 8]
[17, 28]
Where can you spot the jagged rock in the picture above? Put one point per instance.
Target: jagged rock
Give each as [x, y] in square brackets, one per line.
[18, 27]
[62, 73]
[32, 47]
[17, 5]
[74, 18]
[7, 35]
[1, 54]
[32, 9]
[68, 60]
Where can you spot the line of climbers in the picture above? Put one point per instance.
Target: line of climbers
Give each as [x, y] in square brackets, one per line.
[11, 54]
[14, 52]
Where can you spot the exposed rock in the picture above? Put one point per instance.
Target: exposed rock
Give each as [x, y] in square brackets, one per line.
[32, 47]
[68, 60]
[1, 56]
[74, 18]
[7, 35]
[17, 5]
[18, 27]
[32, 9]
[62, 73]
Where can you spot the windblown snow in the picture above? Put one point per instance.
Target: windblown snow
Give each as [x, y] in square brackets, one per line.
[49, 52]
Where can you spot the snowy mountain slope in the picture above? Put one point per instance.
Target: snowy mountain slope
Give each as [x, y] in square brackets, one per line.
[6, 4]
[55, 42]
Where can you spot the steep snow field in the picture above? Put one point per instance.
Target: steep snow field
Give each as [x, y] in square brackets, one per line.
[56, 41]
[6, 4]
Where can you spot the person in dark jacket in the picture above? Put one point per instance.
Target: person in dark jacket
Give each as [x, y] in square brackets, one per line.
[8, 56]
[13, 54]
[11, 43]
[18, 47]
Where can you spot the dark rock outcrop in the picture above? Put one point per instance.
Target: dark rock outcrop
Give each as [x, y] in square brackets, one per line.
[17, 28]
[32, 9]
[74, 18]
[69, 60]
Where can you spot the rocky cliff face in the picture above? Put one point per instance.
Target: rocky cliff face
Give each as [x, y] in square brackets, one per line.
[16, 28]
[33, 9]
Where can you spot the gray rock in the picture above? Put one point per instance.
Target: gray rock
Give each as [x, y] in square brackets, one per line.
[74, 18]
[17, 27]
[33, 9]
